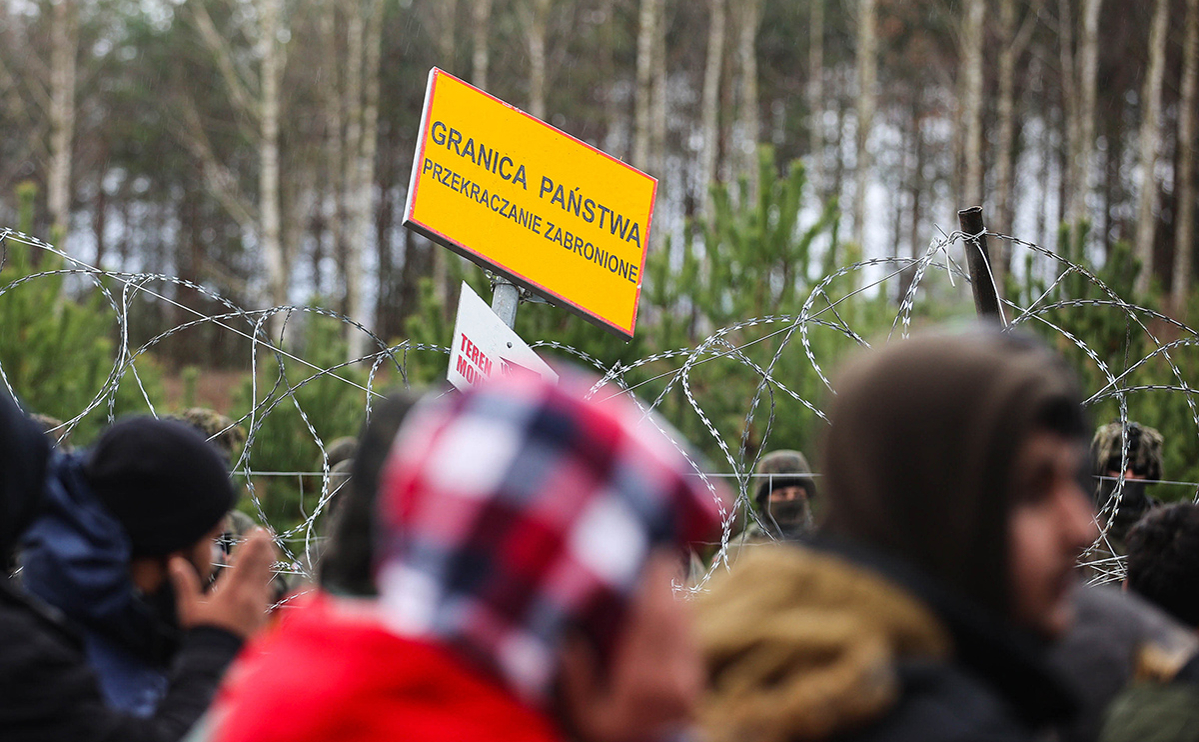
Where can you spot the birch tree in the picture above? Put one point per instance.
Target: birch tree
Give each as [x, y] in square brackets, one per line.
[480, 53]
[63, 51]
[867, 64]
[1184, 231]
[646, 35]
[1088, 76]
[1080, 72]
[334, 204]
[1150, 145]
[657, 153]
[1013, 42]
[445, 13]
[816, 89]
[710, 104]
[362, 108]
[747, 56]
[972, 100]
[535, 18]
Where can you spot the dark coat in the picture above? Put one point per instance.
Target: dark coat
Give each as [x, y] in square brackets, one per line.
[836, 644]
[997, 685]
[76, 558]
[47, 690]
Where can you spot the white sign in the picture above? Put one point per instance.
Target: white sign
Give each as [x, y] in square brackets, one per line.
[484, 346]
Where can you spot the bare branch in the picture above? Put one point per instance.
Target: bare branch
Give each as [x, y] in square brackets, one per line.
[1027, 26]
[222, 184]
[238, 89]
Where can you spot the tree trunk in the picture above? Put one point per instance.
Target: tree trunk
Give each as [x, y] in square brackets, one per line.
[268, 177]
[972, 101]
[1069, 91]
[1084, 149]
[481, 56]
[607, 65]
[916, 187]
[867, 62]
[710, 105]
[352, 110]
[363, 160]
[646, 34]
[1185, 228]
[1007, 129]
[447, 16]
[748, 57]
[816, 90]
[1150, 145]
[100, 223]
[65, 43]
[536, 26]
[1012, 45]
[333, 201]
[447, 11]
[657, 145]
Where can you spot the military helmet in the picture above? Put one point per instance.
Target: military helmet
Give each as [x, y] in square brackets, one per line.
[341, 449]
[220, 430]
[1144, 450]
[783, 468]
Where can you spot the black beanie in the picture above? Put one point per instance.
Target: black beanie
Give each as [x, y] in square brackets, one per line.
[162, 480]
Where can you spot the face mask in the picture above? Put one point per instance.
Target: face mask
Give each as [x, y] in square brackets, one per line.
[790, 514]
[1132, 497]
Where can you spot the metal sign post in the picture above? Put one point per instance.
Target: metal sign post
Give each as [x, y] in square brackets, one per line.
[504, 297]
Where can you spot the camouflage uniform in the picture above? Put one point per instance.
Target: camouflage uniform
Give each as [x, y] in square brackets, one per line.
[1144, 460]
[778, 469]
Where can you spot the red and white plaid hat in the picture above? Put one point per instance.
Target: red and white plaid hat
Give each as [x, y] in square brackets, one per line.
[518, 510]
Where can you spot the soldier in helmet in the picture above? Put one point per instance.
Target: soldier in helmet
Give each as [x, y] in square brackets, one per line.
[1141, 465]
[220, 430]
[784, 496]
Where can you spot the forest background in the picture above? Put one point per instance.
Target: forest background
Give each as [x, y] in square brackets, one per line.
[261, 149]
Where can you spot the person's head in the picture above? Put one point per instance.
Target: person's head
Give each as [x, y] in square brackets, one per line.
[536, 534]
[220, 430]
[1125, 457]
[346, 565]
[1163, 560]
[24, 452]
[962, 454]
[167, 487]
[1131, 448]
[785, 491]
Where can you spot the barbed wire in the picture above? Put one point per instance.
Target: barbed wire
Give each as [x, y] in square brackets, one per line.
[757, 345]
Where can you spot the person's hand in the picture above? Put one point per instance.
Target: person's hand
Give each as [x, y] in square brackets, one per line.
[238, 600]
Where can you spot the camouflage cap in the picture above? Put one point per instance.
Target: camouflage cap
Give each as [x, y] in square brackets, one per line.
[219, 429]
[783, 468]
[1144, 449]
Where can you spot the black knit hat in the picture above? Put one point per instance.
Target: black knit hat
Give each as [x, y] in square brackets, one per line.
[163, 482]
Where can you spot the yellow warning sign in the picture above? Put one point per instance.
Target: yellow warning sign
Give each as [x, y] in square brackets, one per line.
[521, 198]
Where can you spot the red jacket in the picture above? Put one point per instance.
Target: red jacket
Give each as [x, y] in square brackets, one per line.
[332, 673]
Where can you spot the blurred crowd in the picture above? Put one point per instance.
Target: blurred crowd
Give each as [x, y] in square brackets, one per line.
[970, 560]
